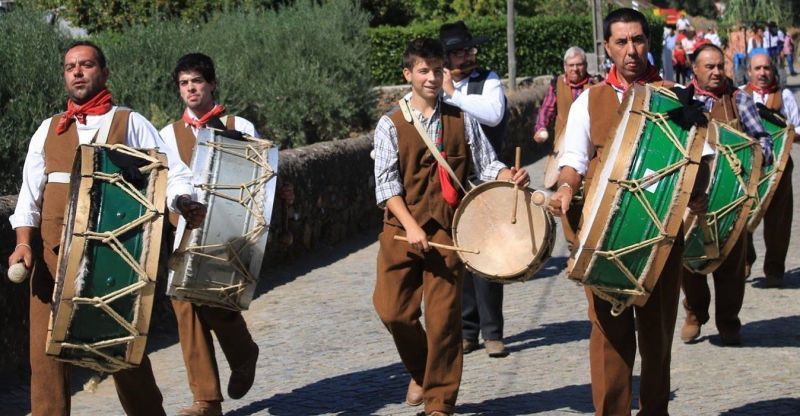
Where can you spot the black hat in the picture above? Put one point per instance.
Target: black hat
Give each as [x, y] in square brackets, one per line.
[456, 36]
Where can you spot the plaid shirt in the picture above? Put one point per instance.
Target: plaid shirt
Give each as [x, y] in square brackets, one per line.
[548, 110]
[387, 174]
[751, 121]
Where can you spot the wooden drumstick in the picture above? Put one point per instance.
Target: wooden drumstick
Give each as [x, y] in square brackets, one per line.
[177, 256]
[443, 246]
[709, 245]
[517, 161]
[569, 233]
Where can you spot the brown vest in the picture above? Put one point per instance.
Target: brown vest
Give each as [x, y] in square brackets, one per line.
[774, 100]
[725, 110]
[605, 113]
[564, 102]
[186, 142]
[59, 153]
[421, 186]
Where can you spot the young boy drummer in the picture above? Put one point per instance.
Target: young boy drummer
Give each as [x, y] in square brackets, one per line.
[420, 199]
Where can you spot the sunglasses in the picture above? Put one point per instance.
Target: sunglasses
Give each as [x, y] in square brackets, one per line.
[460, 53]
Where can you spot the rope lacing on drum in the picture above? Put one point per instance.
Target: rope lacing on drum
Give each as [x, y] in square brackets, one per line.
[111, 239]
[251, 196]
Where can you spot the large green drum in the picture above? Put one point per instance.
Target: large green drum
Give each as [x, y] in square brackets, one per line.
[730, 195]
[636, 199]
[782, 139]
[109, 258]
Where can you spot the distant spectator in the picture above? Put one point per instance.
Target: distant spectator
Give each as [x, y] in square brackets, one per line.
[689, 42]
[683, 23]
[680, 64]
[773, 40]
[756, 40]
[713, 37]
[788, 53]
[738, 46]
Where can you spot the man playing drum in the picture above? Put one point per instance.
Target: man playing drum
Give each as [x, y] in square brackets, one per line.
[612, 345]
[420, 199]
[196, 80]
[764, 89]
[731, 106]
[479, 93]
[42, 200]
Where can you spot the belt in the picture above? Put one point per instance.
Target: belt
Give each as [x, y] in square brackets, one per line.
[58, 177]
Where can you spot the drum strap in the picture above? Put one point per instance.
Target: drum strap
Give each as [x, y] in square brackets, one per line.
[409, 117]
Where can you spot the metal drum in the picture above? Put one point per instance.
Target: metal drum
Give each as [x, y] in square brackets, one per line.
[109, 257]
[636, 200]
[734, 178]
[493, 246]
[782, 138]
[222, 263]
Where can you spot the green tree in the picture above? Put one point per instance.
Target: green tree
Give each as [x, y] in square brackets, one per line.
[742, 11]
[703, 8]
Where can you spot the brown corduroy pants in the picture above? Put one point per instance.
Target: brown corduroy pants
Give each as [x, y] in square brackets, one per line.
[50, 392]
[777, 227]
[612, 346]
[195, 324]
[729, 284]
[432, 355]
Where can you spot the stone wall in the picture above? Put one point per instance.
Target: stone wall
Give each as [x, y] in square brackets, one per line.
[334, 199]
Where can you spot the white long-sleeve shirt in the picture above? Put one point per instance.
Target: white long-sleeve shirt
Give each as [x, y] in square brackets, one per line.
[488, 107]
[141, 134]
[578, 147]
[240, 124]
[788, 107]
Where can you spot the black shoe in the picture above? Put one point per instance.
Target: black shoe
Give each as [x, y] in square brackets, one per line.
[774, 281]
[242, 377]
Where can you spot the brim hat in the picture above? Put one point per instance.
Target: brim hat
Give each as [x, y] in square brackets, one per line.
[456, 36]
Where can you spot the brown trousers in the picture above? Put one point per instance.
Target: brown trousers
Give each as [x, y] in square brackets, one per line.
[195, 324]
[612, 346]
[432, 355]
[50, 392]
[777, 227]
[729, 283]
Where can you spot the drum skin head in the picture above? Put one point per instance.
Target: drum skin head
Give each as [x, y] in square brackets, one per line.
[507, 251]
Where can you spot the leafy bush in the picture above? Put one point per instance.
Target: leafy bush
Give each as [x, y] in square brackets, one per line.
[297, 85]
[540, 42]
[32, 88]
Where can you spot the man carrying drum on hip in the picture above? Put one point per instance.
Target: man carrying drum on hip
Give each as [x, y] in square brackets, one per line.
[612, 345]
[196, 80]
[763, 87]
[39, 217]
[479, 93]
[420, 198]
[735, 108]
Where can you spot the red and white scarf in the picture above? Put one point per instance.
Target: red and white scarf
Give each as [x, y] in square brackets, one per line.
[100, 104]
[650, 75]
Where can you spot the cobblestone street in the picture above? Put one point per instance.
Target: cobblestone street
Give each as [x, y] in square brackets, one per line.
[324, 351]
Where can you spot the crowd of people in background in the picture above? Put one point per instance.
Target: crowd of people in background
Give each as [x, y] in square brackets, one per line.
[682, 39]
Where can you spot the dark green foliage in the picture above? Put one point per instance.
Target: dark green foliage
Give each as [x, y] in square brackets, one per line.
[31, 88]
[540, 41]
[703, 8]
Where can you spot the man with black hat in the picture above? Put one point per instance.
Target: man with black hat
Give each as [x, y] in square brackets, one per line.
[478, 92]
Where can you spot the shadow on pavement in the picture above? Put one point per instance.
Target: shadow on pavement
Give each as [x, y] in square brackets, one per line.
[354, 394]
[791, 280]
[577, 398]
[782, 406]
[549, 334]
[553, 267]
[282, 274]
[772, 333]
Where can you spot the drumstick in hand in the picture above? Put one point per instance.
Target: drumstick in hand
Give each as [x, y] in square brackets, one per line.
[710, 247]
[443, 246]
[517, 161]
[569, 233]
[176, 257]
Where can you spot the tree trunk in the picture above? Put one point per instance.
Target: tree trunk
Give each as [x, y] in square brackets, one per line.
[512, 49]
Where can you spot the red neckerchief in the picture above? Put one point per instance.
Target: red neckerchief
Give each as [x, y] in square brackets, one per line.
[199, 123]
[578, 84]
[101, 103]
[707, 93]
[650, 75]
[763, 92]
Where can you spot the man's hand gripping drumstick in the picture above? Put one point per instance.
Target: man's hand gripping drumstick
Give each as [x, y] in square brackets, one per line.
[194, 213]
[569, 179]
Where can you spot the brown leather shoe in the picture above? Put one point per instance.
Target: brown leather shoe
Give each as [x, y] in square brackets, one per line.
[690, 330]
[202, 408]
[242, 377]
[438, 413]
[468, 345]
[414, 394]
[495, 348]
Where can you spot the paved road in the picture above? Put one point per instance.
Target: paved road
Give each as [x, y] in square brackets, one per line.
[323, 350]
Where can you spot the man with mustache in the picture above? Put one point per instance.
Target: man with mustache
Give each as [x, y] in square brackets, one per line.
[613, 341]
[727, 104]
[477, 92]
[39, 217]
[196, 79]
[763, 87]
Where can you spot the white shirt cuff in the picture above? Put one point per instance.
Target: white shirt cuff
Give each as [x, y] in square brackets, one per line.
[27, 219]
